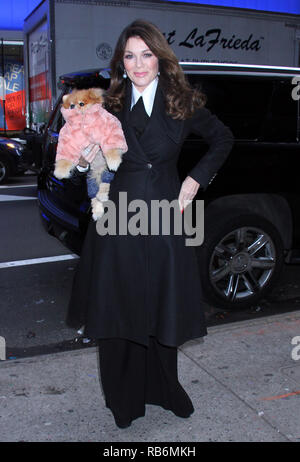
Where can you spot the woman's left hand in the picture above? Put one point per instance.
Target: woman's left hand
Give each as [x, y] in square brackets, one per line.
[187, 192]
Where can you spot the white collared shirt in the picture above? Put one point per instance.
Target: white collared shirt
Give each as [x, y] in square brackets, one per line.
[148, 96]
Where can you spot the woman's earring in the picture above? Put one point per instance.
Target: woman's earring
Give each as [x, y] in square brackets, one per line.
[158, 73]
[124, 75]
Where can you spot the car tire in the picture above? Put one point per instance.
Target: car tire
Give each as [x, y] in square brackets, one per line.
[240, 259]
[4, 170]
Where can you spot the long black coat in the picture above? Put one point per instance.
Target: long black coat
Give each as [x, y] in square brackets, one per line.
[134, 286]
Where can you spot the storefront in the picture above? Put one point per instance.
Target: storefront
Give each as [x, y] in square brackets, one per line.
[12, 93]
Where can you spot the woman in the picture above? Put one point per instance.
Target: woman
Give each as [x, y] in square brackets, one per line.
[140, 295]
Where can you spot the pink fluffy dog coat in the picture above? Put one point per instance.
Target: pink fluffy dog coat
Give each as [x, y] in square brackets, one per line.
[93, 125]
[89, 123]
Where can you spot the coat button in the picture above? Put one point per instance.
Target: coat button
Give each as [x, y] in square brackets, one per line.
[149, 165]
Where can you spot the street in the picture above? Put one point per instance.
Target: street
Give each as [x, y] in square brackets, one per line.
[34, 295]
[36, 273]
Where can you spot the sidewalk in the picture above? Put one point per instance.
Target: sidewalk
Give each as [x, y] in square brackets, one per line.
[242, 379]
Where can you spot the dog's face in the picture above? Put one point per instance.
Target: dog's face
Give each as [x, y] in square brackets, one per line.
[82, 99]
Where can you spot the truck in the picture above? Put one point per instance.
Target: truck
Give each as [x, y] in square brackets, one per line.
[63, 36]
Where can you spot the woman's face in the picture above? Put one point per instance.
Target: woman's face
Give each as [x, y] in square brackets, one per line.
[140, 63]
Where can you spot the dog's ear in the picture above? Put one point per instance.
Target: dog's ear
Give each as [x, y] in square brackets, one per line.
[96, 94]
[65, 100]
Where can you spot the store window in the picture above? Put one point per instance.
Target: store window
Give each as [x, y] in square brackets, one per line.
[12, 91]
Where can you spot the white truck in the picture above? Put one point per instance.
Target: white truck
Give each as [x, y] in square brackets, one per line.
[62, 36]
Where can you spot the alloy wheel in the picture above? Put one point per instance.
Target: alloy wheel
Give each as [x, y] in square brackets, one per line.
[242, 263]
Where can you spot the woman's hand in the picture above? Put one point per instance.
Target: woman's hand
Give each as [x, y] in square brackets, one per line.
[187, 192]
[88, 154]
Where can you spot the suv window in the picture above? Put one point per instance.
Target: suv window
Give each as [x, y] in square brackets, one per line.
[281, 120]
[241, 102]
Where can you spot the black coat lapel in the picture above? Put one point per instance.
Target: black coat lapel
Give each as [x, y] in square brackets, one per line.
[160, 124]
[134, 146]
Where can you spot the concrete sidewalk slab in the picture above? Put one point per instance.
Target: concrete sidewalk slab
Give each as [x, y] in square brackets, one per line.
[253, 361]
[241, 378]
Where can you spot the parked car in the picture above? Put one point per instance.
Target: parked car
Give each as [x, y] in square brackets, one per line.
[252, 206]
[33, 138]
[15, 158]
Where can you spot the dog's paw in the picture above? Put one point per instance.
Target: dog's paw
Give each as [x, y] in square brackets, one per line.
[113, 159]
[113, 164]
[63, 169]
[97, 209]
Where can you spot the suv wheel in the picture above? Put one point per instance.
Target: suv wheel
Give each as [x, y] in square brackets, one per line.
[4, 170]
[240, 259]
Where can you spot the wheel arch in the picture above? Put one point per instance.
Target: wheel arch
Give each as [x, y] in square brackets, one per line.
[272, 207]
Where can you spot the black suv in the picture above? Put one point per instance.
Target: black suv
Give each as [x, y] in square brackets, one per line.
[251, 207]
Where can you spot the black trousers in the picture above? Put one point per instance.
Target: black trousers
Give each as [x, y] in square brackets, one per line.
[134, 375]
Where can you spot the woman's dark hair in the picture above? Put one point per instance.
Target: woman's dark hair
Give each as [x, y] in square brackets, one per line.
[180, 98]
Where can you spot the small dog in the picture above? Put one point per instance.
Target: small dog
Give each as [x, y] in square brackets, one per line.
[87, 122]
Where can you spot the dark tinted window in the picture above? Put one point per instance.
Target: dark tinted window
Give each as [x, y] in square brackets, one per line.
[241, 102]
[281, 120]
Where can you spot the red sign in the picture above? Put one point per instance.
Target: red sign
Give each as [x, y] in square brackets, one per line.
[15, 110]
[39, 87]
[12, 97]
